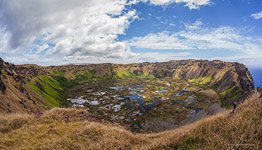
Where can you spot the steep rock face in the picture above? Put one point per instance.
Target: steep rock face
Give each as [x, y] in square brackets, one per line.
[15, 95]
[2, 87]
[220, 75]
[244, 77]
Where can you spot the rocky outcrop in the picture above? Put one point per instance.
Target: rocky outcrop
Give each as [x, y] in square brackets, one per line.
[2, 87]
[244, 77]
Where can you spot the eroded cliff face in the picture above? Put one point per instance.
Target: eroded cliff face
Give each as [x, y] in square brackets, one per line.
[2, 85]
[29, 88]
[15, 95]
[218, 74]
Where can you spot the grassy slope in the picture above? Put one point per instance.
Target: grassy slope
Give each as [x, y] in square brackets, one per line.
[125, 74]
[201, 80]
[75, 129]
[233, 93]
[52, 87]
[49, 88]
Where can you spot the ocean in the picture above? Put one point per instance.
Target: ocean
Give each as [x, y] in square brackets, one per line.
[257, 76]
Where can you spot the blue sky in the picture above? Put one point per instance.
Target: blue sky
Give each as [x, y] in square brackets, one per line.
[119, 31]
[235, 13]
[171, 18]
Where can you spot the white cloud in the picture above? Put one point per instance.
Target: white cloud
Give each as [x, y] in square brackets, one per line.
[257, 15]
[159, 57]
[137, 58]
[160, 2]
[197, 36]
[78, 27]
[194, 4]
[191, 4]
[162, 40]
[4, 36]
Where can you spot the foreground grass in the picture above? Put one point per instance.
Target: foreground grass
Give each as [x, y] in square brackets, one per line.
[76, 129]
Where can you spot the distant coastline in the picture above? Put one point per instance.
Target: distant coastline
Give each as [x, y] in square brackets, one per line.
[257, 76]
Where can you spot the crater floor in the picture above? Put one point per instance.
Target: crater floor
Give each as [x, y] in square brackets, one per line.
[145, 105]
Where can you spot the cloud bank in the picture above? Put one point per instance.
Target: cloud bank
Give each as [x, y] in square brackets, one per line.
[65, 27]
[197, 36]
[257, 15]
[191, 4]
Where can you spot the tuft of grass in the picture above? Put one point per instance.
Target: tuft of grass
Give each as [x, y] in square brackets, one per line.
[192, 143]
[13, 121]
[227, 91]
[124, 74]
[232, 94]
[68, 115]
[64, 82]
[84, 76]
[201, 80]
[145, 75]
[58, 73]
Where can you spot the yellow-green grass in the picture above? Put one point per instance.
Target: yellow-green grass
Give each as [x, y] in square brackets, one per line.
[124, 74]
[227, 91]
[49, 88]
[232, 92]
[201, 80]
[74, 129]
